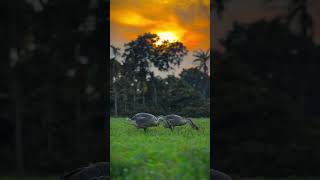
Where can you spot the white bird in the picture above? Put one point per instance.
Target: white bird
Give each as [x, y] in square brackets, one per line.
[176, 120]
[145, 120]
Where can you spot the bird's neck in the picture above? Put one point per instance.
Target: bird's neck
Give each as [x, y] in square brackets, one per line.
[191, 124]
[188, 121]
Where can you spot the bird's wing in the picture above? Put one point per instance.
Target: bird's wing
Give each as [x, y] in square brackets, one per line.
[173, 116]
[142, 121]
[141, 115]
[170, 122]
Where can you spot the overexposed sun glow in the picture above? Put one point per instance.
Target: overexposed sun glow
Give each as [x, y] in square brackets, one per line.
[166, 36]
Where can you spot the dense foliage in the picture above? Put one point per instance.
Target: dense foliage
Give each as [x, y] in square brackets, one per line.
[266, 112]
[53, 76]
[135, 88]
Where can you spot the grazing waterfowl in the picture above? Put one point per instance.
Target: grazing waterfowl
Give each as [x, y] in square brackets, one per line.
[217, 175]
[145, 120]
[176, 120]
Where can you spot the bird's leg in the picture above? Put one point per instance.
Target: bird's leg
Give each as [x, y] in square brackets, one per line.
[170, 126]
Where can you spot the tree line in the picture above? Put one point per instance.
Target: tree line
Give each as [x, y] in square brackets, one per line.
[136, 88]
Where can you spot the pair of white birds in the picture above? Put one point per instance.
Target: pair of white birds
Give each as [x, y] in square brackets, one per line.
[145, 120]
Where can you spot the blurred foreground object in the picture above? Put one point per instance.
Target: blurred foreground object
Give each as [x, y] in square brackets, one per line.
[217, 175]
[96, 171]
[99, 171]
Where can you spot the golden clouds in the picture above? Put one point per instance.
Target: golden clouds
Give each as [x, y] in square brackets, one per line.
[183, 4]
[167, 36]
[129, 18]
[189, 21]
[170, 26]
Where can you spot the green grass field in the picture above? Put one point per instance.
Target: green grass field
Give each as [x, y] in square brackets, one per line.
[159, 153]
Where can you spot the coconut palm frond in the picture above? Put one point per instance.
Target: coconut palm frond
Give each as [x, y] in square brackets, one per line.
[202, 57]
[197, 60]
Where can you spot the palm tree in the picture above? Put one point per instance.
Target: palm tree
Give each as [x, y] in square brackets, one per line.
[202, 58]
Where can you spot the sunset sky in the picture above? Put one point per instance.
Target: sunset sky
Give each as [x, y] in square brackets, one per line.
[185, 21]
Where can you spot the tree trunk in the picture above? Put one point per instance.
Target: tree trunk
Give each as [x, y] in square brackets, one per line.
[115, 101]
[155, 94]
[205, 68]
[79, 115]
[14, 86]
[115, 90]
[125, 103]
[304, 55]
[77, 124]
[134, 99]
[143, 99]
[17, 100]
[143, 94]
[50, 116]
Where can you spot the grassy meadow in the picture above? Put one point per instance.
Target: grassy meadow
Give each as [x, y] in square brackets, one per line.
[159, 153]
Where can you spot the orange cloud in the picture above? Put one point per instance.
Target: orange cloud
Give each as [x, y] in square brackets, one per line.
[129, 18]
[201, 23]
[169, 26]
[194, 40]
[188, 20]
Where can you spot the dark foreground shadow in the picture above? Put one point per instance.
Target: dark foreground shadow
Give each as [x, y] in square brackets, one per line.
[217, 175]
[96, 171]
[100, 171]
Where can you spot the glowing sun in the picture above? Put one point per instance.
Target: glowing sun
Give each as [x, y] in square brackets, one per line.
[166, 36]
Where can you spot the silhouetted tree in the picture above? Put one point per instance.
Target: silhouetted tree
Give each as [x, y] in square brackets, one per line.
[142, 53]
[202, 58]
